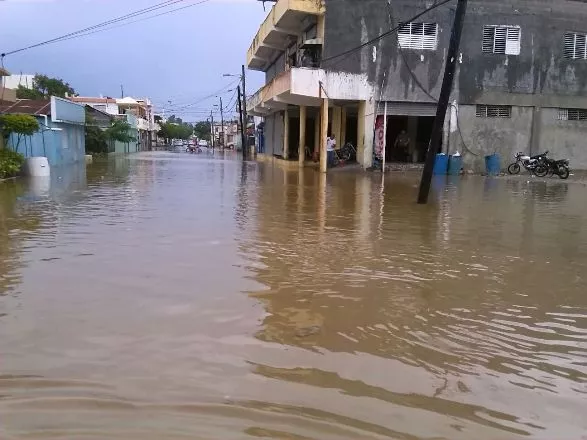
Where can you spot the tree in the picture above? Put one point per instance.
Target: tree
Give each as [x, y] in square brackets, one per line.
[44, 87]
[96, 140]
[174, 130]
[120, 131]
[202, 130]
[21, 125]
[99, 139]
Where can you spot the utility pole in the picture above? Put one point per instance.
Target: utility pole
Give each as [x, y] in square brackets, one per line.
[212, 129]
[243, 134]
[121, 91]
[445, 91]
[245, 118]
[222, 124]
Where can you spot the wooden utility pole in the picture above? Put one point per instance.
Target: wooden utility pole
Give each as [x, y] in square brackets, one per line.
[245, 118]
[445, 91]
[222, 124]
[240, 115]
[212, 129]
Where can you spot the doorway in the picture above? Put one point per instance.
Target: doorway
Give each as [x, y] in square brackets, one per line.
[418, 130]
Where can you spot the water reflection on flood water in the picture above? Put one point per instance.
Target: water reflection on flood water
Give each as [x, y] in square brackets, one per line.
[174, 296]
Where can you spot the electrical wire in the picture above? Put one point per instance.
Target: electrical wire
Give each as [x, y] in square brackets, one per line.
[384, 34]
[86, 31]
[135, 21]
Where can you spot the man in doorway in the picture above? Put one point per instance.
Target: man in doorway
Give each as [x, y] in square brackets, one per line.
[402, 145]
[330, 145]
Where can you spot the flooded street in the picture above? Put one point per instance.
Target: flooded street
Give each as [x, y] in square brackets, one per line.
[176, 296]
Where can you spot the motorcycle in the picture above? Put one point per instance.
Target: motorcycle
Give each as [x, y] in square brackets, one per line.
[534, 164]
[558, 167]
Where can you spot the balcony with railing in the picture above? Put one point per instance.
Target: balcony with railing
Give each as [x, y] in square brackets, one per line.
[284, 21]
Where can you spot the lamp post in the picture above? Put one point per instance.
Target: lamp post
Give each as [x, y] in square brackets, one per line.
[243, 110]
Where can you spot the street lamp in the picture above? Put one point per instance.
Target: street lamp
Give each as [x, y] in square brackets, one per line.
[243, 109]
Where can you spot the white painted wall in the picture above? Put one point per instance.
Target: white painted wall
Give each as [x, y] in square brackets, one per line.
[13, 81]
[336, 85]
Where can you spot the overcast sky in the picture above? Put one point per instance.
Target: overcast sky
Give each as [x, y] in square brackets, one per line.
[179, 57]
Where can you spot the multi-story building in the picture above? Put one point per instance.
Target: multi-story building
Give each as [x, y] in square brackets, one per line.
[520, 83]
[229, 136]
[140, 110]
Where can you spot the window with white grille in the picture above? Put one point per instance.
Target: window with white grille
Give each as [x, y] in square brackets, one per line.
[503, 40]
[419, 36]
[493, 111]
[575, 46]
[572, 114]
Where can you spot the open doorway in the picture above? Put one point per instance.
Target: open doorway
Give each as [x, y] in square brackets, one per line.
[412, 134]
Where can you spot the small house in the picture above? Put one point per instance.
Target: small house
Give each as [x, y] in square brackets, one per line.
[61, 136]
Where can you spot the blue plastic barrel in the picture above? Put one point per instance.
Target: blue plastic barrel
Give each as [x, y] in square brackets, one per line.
[440, 164]
[492, 164]
[455, 164]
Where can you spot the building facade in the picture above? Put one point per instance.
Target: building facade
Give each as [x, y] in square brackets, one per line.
[138, 113]
[520, 82]
[61, 135]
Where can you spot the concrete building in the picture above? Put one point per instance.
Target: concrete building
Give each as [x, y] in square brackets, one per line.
[519, 86]
[142, 116]
[231, 134]
[61, 136]
[13, 81]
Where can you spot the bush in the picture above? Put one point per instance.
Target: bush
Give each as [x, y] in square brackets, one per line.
[10, 163]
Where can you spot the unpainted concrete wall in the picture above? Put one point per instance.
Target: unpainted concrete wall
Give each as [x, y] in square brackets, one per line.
[540, 75]
[485, 136]
[564, 139]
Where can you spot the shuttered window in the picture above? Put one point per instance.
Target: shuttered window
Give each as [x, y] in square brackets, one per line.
[572, 114]
[575, 46]
[419, 36]
[503, 40]
[493, 111]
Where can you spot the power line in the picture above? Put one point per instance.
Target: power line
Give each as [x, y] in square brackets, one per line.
[136, 21]
[86, 31]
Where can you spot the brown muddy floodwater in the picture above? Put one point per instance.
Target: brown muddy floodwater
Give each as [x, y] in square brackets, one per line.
[172, 296]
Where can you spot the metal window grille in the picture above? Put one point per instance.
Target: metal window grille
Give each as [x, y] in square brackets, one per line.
[419, 36]
[572, 114]
[575, 47]
[493, 111]
[502, 40]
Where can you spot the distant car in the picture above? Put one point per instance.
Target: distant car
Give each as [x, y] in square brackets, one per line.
[203, 143]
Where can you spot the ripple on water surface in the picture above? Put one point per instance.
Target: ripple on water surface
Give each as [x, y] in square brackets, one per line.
[193, 296]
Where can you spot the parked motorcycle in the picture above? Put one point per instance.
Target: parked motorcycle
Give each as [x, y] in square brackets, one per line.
[558, 167]
[534, 164]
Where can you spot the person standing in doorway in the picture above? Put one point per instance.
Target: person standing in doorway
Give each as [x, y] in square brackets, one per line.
[402, 145]
[330, 146]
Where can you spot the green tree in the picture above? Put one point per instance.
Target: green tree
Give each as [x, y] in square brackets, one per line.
[96, 140]
[202, 130]
[174, 130]
[44, 87]
[21, 125]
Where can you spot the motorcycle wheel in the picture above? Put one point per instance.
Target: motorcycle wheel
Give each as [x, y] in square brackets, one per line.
[563, 172]
[541, 170]
[514, 168]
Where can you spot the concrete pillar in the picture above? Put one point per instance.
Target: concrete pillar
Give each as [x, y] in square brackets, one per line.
[342, 139]
[336, 124]
[286, 135]
[365, 128]
[302, 141]
[413, 134]
[323, 134]
[316, 135]
[361, 133]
